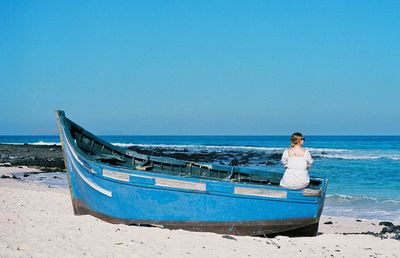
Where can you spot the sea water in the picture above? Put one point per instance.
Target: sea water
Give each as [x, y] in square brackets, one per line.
[363, 171]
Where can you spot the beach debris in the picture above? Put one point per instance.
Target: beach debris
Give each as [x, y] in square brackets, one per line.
[389, 231]
[8, 177]
[275, 244]
[392, 231]
[229, 237]
[386, 223]
[328, 223]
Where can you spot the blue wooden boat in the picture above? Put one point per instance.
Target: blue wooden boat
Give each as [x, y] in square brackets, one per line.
[119, 185]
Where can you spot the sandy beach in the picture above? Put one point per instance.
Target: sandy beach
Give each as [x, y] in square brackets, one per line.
[38, 221]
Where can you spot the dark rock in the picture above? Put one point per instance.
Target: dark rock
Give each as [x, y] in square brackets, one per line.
[6, 164]
[8, 177]
[358, 220]
[385, 223]
[230, 157]
[391, 229]
[229, 237]
[36, 156]
[274, 156]
[328, 223]
[234, 162]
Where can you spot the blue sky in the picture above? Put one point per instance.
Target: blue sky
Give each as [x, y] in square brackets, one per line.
[201, 67]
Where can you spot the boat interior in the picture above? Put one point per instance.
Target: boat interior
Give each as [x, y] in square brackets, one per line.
[98, 150]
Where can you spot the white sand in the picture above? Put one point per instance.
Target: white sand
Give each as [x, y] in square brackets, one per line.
[37, 221]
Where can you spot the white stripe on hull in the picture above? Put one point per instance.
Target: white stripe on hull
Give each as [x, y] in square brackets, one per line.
[91, 183]
[77, 169]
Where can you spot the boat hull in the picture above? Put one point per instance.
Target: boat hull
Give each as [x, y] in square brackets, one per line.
[290, 227]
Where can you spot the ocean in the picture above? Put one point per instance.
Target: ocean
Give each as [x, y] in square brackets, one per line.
[363, 171]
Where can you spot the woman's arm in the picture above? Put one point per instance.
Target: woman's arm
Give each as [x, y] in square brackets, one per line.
[284, 158]
[309, 159]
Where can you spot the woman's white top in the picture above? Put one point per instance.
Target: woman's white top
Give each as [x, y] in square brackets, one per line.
[296, 174]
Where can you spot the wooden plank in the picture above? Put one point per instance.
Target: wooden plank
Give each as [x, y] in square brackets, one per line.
[260, 192]
[180, 184]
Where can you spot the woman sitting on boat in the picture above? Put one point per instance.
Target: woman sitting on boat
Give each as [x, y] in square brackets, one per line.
[296, 160]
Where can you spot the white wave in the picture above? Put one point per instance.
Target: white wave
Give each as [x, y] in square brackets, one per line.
[352, 156]
[360, 156]
[353, 214]
[384, 213]
[45, 143]
[392, 201]
[355, 198]
[343, 196]
[351, 197]
[125, 145]
[327, 150]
